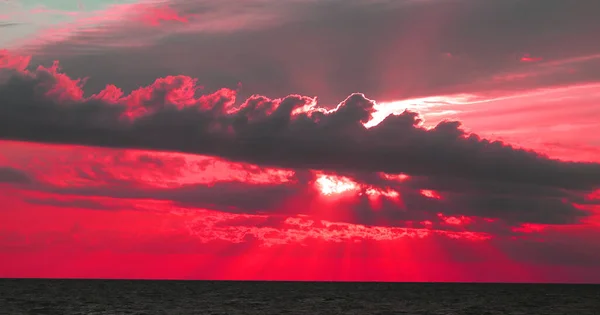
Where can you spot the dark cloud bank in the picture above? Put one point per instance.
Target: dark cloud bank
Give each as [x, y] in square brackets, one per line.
[476, 176]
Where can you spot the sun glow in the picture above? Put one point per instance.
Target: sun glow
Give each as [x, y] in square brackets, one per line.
[430, 194]
[376, 193]
[595, 195]
[455, 220]
[334, 185]
[329, 185]
[421, 105]
[395, 177]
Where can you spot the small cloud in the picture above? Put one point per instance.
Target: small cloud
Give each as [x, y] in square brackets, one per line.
[13, 176]
[8, 24]
[529, 58]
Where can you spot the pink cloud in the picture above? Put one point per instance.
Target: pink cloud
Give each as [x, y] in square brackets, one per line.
[156, 15]
[10, 61]
[529, 58]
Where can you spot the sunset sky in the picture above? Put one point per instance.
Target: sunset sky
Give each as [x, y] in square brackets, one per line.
[345, 140]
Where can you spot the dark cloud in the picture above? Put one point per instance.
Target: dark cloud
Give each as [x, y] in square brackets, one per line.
[386, 49]
[13, 176]
[234, 197]
[77, 203]
[565, 246]
[300, 196]
[42, 106]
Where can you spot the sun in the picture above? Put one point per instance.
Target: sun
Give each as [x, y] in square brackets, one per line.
[335, 185]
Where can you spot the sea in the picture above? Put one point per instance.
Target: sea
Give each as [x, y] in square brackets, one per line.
[38, 296]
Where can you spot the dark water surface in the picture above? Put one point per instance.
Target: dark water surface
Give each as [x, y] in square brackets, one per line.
[213, 297]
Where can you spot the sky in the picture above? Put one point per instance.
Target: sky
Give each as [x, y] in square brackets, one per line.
[332, 140]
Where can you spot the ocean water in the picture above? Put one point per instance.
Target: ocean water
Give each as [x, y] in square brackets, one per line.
[215, 297]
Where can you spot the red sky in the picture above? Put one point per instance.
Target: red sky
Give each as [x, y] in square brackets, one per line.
[286, 142]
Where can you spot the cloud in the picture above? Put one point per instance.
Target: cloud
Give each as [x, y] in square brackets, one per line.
[474, 176]
[480, 210]
[15, 62]
[157, 15]
[3, 25]
[557, 246]
[13, 176]
[76, 204]
[46, 105]
[119, 179]
[278, 48]
[291, 238]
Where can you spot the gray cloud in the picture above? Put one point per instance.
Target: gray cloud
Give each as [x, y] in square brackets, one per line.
[13, 176]
[265, 131]
[2, 25]
[77, 204]
[543, 206]
[386, 49]
[476, 177]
